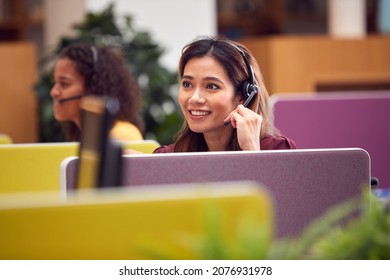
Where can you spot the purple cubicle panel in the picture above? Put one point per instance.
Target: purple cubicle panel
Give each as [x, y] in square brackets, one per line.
[302, 183]
[339, 120]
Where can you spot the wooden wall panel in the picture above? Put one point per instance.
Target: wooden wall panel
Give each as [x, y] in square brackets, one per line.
[302, 63]
[18, 101]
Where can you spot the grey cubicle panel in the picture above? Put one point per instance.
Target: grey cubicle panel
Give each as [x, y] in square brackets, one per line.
[302, 183]
[339, 120]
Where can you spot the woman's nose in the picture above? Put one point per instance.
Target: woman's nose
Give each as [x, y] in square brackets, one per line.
[54, 91]
[197, 96]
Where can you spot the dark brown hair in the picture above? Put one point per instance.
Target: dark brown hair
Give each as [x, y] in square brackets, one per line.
[227, 52]
[105, 73]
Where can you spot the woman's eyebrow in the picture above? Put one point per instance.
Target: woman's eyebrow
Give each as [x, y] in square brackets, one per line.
[208, 78]
[64, 78]
[211, 78]
[187, 77]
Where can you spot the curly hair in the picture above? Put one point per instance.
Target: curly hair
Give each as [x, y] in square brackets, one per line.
[105, 73]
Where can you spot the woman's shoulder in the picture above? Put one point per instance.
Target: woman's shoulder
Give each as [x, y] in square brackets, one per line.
[165, 149]
[125, 131]
[276, 142]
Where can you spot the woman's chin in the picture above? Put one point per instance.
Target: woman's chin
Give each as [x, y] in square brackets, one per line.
[60, 118]
[196, 128]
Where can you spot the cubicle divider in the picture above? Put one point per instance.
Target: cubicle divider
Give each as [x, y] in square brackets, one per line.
[302, 183]
[339, 120]
[35, 166]
[166, 222]
[5, 139]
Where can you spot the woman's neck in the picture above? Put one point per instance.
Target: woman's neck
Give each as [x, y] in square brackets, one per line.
[217, 141]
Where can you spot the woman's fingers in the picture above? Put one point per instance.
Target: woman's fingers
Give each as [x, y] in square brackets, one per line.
[248, 125]
[229, 118]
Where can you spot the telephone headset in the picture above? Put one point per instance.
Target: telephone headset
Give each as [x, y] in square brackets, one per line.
[95, 61]
[249, 88]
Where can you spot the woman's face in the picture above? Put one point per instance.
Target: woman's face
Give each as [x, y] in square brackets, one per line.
[67, 83]
[206, 95]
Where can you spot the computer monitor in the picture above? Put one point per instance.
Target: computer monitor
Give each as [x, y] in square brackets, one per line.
[100, 157]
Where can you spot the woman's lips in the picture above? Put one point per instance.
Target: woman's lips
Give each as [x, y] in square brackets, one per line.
[198, 114]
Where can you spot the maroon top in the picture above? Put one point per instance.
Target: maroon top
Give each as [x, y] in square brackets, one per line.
[267, 143]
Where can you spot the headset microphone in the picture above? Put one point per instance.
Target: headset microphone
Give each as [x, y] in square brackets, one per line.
[63, 100]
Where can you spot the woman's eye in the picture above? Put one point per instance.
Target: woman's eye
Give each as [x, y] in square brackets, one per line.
[186, 84]
[63, 84]
[212, 86]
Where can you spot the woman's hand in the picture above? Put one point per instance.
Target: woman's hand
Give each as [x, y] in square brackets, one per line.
[248, 125]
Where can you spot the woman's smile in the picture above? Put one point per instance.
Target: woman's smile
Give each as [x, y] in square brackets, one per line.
[198, 114]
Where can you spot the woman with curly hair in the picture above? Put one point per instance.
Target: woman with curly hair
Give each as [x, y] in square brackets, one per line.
[84, 69]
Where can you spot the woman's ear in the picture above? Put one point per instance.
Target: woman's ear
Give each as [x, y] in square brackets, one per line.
[239, 99]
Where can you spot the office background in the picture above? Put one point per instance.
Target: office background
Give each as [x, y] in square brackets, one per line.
[302, 45]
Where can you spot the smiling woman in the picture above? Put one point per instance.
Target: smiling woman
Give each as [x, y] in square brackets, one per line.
[84, 69]
[218, 77]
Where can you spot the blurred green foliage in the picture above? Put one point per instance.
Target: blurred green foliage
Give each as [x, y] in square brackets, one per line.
[350, 231]
[160, 111]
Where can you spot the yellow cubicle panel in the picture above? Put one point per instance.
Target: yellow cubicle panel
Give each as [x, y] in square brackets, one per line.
[33, 167]
[5, 139]
[36, 167]
[144, 146]
[188, 221]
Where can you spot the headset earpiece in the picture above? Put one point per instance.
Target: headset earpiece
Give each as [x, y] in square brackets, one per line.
[248, 89]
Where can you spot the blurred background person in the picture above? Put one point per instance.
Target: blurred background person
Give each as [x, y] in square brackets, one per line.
[84, 69]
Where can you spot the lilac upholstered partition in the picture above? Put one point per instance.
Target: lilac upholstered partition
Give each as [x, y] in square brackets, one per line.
[339, 120]
[302, 183]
